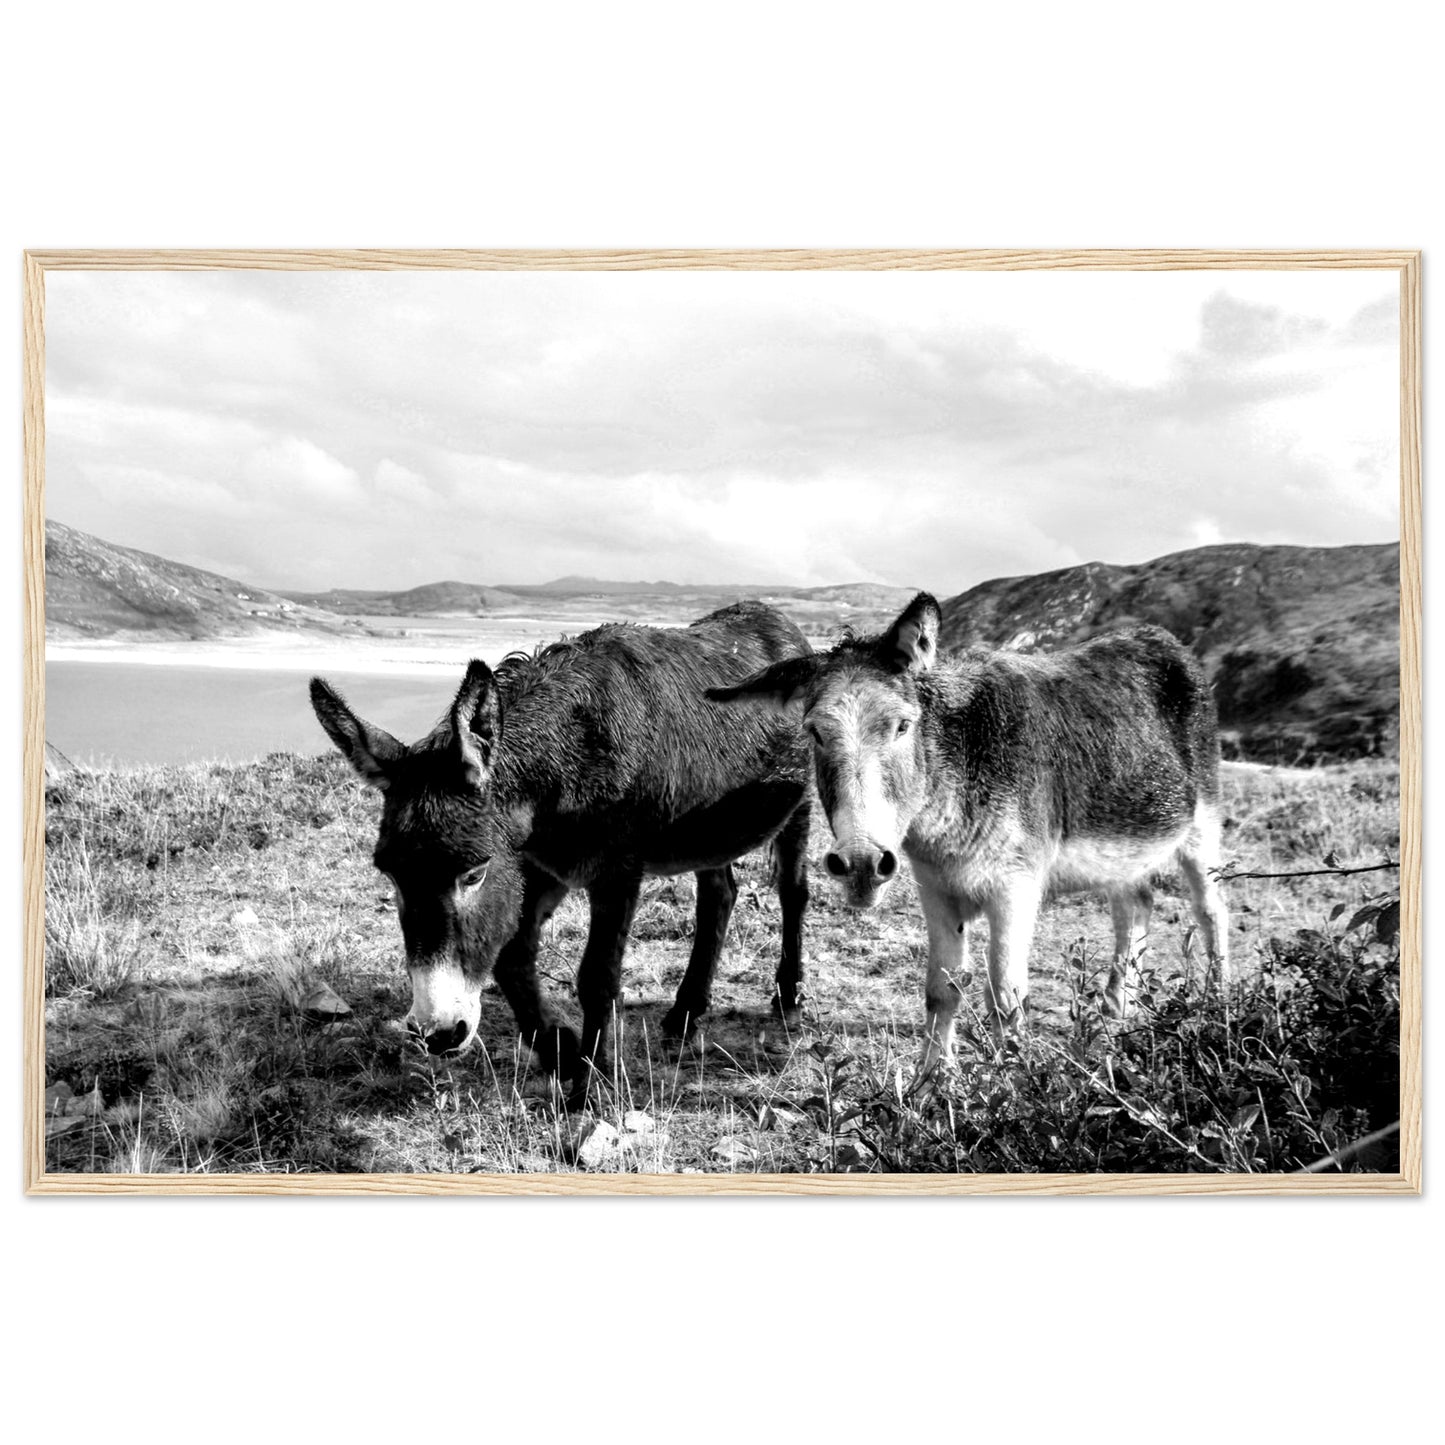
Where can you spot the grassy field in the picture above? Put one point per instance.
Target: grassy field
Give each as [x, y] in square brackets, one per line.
[192, 912]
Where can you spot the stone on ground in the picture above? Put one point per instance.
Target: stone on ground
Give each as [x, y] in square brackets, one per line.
[597, 1145]
[323, 1005]
[735, 1151]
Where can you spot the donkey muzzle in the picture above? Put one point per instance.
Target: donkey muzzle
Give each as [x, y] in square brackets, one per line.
[445, 1007]
[863, 867]
[448, 1040]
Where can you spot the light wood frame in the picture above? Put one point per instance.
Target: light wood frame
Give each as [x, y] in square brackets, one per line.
[1405, 262]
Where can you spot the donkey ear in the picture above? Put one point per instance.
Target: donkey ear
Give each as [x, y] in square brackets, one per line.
[780, 686]
[911, 644]
[477, 722]
[370, 750]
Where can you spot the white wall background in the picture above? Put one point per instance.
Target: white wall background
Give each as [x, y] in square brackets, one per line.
[272, 124]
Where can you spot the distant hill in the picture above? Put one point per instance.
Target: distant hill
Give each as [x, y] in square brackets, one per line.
[474, 599]
[573, 586]
[823, 612]
[1302, 643]
[854, 594]
[437, 599]
[94, 589]
[819, 611]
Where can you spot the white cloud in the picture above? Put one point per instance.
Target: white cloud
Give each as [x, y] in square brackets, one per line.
[302, 473]
[386, 429]
[398, 485]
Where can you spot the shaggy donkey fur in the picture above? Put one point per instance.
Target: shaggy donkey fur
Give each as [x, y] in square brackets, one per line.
[1005, 779]
[593, 764]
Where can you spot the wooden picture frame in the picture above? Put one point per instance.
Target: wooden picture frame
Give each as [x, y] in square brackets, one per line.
[1406, 264]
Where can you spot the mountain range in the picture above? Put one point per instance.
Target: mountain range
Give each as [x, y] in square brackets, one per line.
[1301, 643]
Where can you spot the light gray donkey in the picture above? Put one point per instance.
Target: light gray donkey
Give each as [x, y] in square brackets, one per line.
[1007, 779]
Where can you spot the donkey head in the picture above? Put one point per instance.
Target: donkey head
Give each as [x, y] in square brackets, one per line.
[860, 706]
[445, 846]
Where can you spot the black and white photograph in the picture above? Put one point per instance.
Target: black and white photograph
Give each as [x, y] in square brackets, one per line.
[740, 723]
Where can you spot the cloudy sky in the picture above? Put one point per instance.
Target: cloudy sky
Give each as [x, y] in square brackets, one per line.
[924, 429]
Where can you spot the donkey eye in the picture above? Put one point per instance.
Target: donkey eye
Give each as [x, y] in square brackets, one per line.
[473, 876]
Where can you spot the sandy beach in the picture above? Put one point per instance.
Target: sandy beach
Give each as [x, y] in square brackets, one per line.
[412, 647]
[410, 655]
[382, 658]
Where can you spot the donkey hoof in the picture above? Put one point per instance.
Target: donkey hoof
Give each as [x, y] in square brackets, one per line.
[789, 1015]
[680, 1024]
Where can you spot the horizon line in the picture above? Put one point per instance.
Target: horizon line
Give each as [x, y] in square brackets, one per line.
[638, 583]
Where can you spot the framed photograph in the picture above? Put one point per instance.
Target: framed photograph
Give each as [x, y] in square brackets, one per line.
[693, 721]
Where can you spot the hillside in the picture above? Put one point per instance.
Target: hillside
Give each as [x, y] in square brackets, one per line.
[1301, 643]
[858, 594]
[819, 611]
[97, 590]
[475, 598]
[438, 599]
[94, 589]
[575, 586]
[823, 612]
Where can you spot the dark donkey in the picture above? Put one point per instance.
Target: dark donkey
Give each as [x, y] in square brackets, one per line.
[593, 764]
[1006, 779]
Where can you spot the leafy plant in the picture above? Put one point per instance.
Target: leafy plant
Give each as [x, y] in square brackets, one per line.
[1285, 1067]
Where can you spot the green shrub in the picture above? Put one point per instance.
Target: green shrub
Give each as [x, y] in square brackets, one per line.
[1278, 1071]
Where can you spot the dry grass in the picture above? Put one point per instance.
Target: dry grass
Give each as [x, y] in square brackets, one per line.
[190, 910]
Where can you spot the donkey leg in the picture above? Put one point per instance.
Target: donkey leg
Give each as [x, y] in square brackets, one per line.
[717, 891]
[947, 962]
[790, 858]
[1012, 912]
[1132, 905]
[1208, 901]
[516, 973]
[599, 976]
